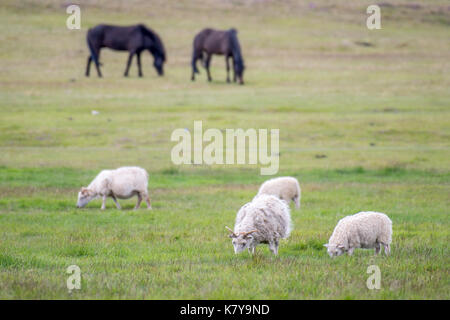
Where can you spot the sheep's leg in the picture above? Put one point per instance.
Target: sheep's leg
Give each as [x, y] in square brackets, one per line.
[377, 249]
[116, 202]
[297, 202]
[103, 202]
[251, 250]
[387, 249]
[273, 246]
[138, 204]
[147, 200]
[350, 251]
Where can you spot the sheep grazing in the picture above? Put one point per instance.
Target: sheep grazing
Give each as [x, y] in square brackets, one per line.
[264, 220]
[285, 188]
[362, 230]
[122, 183]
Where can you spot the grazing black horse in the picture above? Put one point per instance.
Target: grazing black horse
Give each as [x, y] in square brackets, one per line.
[133, 39]
[208, 42]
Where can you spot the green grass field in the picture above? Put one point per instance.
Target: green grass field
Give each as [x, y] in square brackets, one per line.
[361, 127]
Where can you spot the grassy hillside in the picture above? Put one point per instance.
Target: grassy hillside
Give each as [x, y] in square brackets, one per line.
[364, 125]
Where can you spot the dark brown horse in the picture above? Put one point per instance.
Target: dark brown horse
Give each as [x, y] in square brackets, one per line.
[133, 39]
[209, 42]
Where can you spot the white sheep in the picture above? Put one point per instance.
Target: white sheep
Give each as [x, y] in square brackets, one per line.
[264, 220]
[285, 188]
[122, 183]
[362, 230]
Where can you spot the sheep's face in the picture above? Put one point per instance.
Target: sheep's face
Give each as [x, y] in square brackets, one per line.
[334, 250]
[241, 242]
[84, 196]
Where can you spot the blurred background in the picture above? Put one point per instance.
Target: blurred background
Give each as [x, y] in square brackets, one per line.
[313, 69]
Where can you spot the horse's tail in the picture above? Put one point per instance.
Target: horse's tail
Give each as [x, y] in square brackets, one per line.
[91, 49]
[195, 56]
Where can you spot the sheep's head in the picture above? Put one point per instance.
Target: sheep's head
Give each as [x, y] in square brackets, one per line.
[241, 240]
[335, 250]
[84, 196]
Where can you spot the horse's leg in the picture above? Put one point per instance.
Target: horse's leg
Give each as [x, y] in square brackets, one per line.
[97, 64]
[193, 70]
[234, 71]
[227, 58]
[88, 67]
[130, 58]
[204, 58]
[207, 62]
[138, 57]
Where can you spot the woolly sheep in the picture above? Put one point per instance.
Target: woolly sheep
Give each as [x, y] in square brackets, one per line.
[362, 230]
[264, 220]
[122, 183]
[285, 188]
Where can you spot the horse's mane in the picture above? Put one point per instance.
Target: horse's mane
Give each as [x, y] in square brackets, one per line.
[236, 49]
[158, 45]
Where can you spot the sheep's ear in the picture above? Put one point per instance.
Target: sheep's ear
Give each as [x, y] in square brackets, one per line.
[326, 245]
[86, 192]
